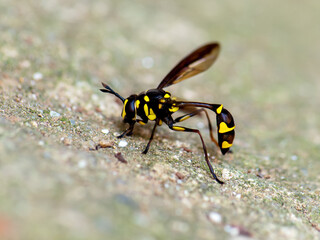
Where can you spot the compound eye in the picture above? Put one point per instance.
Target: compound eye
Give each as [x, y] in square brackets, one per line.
[131, 109]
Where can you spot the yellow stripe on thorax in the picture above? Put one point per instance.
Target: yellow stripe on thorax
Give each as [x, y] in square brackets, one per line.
[151, 116]
[146, 109]
[123, 114]
[167, 95]
[146, 98]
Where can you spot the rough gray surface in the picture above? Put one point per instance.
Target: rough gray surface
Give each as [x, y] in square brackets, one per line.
[54, 184]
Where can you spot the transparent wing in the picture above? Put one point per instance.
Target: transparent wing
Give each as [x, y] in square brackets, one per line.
[196, 62]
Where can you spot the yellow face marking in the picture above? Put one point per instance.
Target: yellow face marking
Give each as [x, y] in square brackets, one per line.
[160, 106]
[167, 95]
[146, 109]
[219, 109]
[162, 100]
[123, 114]
[224, 128]
[160, 122]
[152, 116]
[146, 98]
[137, 103]
[178, 128]
[225, 144]
[173, 109]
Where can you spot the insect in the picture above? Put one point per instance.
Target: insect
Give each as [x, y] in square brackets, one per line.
[158, 105]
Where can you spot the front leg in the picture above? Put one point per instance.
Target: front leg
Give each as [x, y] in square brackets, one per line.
[151, 137]
[127, 132]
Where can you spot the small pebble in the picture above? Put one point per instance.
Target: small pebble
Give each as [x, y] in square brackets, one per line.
[226, 174]
[25, 64]
[82, 164]
[175, 157]
[105, 144]
[37, 76]
[215, 217]
[180, 175]
[34, 124]
[123, 143]
[120, 157]
[54, 114]
[67, 141]
[105, 131]
[233, 231]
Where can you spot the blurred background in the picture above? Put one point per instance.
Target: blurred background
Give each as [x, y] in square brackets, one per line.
[55, 53]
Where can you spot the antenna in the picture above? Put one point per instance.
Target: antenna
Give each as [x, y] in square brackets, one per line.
[109, 90]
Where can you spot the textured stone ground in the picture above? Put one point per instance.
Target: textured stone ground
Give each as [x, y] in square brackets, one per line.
[55, 184]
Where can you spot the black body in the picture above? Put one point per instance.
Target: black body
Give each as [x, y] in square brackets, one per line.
[158, 105]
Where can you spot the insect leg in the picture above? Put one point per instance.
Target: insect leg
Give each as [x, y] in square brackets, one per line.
[225, 122]
[151, 138]
[184, 129]
[127, 132]
[189, 115]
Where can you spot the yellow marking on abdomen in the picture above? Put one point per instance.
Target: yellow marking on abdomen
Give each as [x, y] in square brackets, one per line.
[146, 109]
[123, 114]
[146, 98]
[225, 144]
[224, 128]
[160, 122]
[160, 106]
[219, 109]
[178, 128]
[152, 116]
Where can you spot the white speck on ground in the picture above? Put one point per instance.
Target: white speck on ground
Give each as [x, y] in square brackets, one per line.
[215, 217]
[105, 131]
[82, 163]
[233, 231]
[226, 174]
[123, 143]
[294, 157]
[54, 114]
[37, 76]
